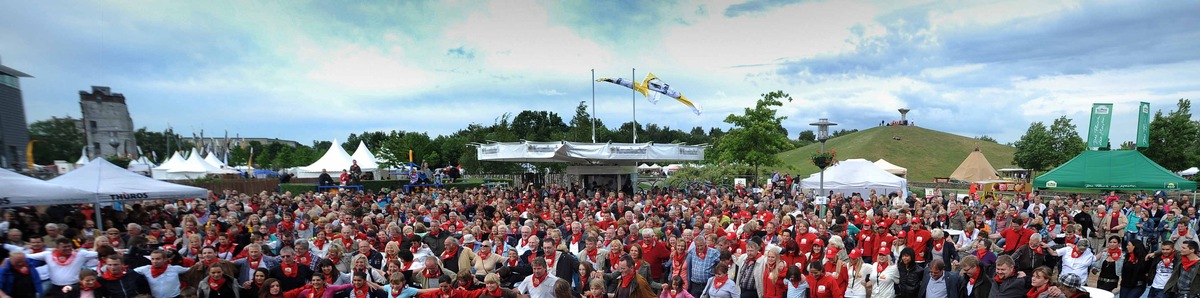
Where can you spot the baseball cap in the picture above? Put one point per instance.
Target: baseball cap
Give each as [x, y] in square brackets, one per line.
[856, 253]
[885, 251]
[831, 253]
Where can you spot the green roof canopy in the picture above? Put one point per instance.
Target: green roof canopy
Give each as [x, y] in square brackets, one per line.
[1122, 169]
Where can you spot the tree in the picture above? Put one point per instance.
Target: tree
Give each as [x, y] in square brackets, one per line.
[986, 138]
[56, 139]
[540, 126]
[161, 144]
[1066, 141]
[1128, 145]
[757, 134]
[1174, 138]
[1034, 148]
[808, 137]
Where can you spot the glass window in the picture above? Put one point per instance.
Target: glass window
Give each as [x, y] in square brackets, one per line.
[10, 81]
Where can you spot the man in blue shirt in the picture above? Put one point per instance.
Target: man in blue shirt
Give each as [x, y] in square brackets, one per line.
[700, 261]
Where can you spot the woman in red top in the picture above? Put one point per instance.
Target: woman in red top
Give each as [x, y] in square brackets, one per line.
[773, 276]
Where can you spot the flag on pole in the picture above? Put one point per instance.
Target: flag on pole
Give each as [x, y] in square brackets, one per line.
[1143, 132]
[657, 86]
[1100, 123]
[631, 84]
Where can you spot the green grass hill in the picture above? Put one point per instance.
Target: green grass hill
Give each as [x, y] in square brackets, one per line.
[925, 153]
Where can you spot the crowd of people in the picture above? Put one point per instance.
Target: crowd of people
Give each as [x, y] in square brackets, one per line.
[561, 241]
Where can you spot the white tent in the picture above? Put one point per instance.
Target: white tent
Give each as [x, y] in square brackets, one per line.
[212, 160]
[109, 183]
[856, 175]
[1189, 172]
[140, 165]
[335, 160]
[643, 167]
[366, 159]
[891, 168]
[192, 168]
[18, 190]
[160, 172]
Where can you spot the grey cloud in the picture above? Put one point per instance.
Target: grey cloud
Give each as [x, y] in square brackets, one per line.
[755, 6]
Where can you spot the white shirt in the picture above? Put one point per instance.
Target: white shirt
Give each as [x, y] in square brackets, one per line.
[43, 271]
[543, 290]
[64, 275]
[855, 287]
[1161, 275]
[1079, 265]
[165, 285]
[885, 282]
[936, 287]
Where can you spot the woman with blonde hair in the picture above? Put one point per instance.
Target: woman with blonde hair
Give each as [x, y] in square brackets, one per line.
[487, 260]
[359, 264]
[1041, 281]
[492, 289]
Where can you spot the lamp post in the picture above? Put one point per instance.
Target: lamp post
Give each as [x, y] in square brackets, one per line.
[823, 125]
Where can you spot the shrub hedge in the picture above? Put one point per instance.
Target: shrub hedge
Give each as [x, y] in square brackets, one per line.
[376, 185]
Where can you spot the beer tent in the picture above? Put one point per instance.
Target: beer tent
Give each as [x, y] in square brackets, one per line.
[18, 190]
[1112, 170]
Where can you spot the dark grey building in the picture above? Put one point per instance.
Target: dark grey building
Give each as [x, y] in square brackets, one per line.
[107, 125]
[14, 131]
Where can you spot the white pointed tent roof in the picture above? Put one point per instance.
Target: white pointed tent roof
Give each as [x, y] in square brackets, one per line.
[194, 164]
[366, 159]
[643, 166]
[891, 168]
[335, 160]
[975, 168]
[112, 183]
[21, 190]
[175, 159]
[211, 159]
[1191, 171]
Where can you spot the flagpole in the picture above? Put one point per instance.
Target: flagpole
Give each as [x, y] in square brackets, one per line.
[593, 105]
[633, 97]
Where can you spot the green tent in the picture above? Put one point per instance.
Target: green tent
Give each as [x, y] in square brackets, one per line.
[1122, 169]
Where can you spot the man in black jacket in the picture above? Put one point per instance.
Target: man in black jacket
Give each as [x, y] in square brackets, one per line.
[1009, 283]
[937, 283]
[978, 281]
[291, 274]
[118, 281]
[1029, 257]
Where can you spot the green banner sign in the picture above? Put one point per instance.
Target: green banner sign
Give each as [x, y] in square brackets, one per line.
[1098, 129]
[1143, 132]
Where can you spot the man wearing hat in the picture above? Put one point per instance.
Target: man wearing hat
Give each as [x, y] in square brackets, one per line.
[1072, 286]
[867, 240]
[918, 239]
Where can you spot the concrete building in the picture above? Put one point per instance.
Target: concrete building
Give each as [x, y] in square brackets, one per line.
[107, 125]
[14, 131]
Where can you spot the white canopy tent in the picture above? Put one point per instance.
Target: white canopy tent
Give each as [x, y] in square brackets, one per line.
[109, 183]
[18, 190]
[82, 158]
[1189, 172]
[160, 172]
[335, 160]
[588, 153]
[212, 160]
[891, 168]
[193, 168]
[140, 165]
[366, 159]
[856, 175]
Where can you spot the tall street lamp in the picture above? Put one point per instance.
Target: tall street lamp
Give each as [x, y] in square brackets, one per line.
[823, 135]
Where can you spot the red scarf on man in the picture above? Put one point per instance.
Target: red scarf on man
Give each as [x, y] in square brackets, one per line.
[155, 271]
[627, 279]
[449, 253]
[1188, 263]
[215, 284]
[23, 268]
[306, 259]
[1166, 259]
[1076, 253]
[538, 280]
[63, 260]
[1183, 231]
[289, 270]
[110, 275]
[432, 273]
[974, 277]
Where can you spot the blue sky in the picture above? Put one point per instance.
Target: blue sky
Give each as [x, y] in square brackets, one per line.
[321, 70]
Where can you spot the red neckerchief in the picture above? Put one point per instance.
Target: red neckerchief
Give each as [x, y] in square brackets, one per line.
[538, 280]
[495, 293]
[115, 241]
[575, 237]
[208, 241]
[1037, 249]
[591, 254]
[1034, 292]
[1076, 253]
[289, 270]
[449, 253]
[613, 259]
[334, 259]
[938, 246]
[1166, 259]
[63, 260]
[1188, 263]
[210, 262]
[880, 267]
[306, 259]
[484, 254]
[551, 258]
[700, 254]
[313, 292]
[110, 275]
[998, 279]
[156, 271]
[980, 253]
[432, 273]
[512, 262]
[215, 284]
[396, 292]
[1183, 231]
[319, 243]
[95, 285]
[360, 292]
[228, 248]
[1115, 254]
[718, 282]
[253, 262]
[974, 277]
[23, 268]
[627, 279]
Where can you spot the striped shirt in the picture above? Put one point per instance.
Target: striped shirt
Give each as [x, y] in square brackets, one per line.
[700, 270]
